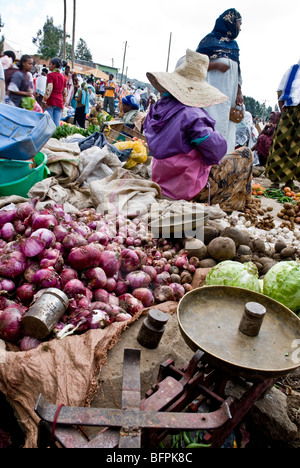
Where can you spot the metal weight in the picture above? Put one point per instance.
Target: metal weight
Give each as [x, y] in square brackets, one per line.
[152, 329]
[42, 317]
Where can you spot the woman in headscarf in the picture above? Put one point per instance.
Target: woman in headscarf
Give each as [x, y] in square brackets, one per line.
[131, 115]
[83, 107]
[224, 71]
[265, 138]
[283, 163]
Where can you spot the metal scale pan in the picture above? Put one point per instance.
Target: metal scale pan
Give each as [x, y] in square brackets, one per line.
[209, 319]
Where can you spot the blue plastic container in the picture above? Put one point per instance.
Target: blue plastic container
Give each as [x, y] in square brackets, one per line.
[23, 133]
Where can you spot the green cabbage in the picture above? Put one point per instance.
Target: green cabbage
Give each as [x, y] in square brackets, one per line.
[231, 273]
[282, 283]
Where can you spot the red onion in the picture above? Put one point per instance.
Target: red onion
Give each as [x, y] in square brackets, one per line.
[178, 289]
[10, 324]
[27, 343]
[12, 264]
[195, 261]
[121, 287]
[97, 278]
[181, 261]
[24, 210]
[74, 287]
[130, 304]
[102, 306]
[7, 216]
[7, 285]
[66, 275]
[150, 270]
[144, 295]
[25, 293]
[98, 237]
[101, 295]
[33, 246]
[163, 294]
[110, 262]
[47, 221]
[123, 317]
[19, 226]
[46, 278]
[73, 240]
[163, 278]
[60, 232]
[52, 258]
[8, 232]
[31, 268]
[110, 284]
[99, 320]
[130, 260]
[83, 258]
[138, 279]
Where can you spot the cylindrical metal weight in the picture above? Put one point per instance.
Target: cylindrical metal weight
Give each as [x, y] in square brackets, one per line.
[42, 317]
[152, 329]
[252, 319]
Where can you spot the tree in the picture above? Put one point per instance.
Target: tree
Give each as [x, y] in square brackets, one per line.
[83, 52]
[257, 109]
[49, 40]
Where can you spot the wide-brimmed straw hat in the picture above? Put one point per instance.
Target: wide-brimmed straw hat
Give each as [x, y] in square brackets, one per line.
[188, 82]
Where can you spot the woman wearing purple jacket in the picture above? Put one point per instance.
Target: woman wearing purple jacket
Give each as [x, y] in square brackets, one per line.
[182, 140]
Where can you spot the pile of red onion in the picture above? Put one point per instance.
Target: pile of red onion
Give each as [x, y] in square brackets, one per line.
[110, 268]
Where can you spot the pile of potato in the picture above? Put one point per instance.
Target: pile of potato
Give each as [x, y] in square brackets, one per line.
[290, 215]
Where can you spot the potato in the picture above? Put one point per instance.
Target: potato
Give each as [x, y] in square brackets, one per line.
[207, 263]
[195, 248]
[222, 248]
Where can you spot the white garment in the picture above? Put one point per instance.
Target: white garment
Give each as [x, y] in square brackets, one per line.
[227, 83]
[41, 83]
[295, 90]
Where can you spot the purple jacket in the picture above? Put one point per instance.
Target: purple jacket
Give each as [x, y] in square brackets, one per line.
[184, 146]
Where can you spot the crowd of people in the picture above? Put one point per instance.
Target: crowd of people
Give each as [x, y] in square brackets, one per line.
[199, 150]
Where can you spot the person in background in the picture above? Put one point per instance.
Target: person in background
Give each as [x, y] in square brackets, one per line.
[109, 96]
[74, 90]
[41, 85]
[144, 99]
[82, 108]
[265, 138]
[246, 133]
[102, 88]
[56, 91]
[94, 113]
[131, 115]
[2, 83]
[224, 71]
[20, 84]
[283, 163]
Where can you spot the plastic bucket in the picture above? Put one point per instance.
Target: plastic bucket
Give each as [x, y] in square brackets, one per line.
[22, 186]
[12, 170]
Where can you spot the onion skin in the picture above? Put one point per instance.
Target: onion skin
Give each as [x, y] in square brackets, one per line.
[130, 304]
[144, 295]
[12, 265]
[27, 343]
[74, 287]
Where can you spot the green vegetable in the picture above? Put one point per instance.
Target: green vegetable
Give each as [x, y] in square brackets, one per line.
[66, 130]
[282, 283]
[231, 273]
[278, 195]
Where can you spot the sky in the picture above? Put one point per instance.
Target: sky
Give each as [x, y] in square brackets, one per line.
[269, 38]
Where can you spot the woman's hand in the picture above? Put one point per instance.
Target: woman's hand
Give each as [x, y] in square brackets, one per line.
[220, 66]
[239, 97]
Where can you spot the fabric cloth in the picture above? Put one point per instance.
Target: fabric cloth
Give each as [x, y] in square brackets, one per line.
[283, 163]
[230, 182]
[55, 113]
[109, 105]
[246, 133]
[41, 84]
[184, 145]
[289, 86]
[221, 41]
[58, 82]
[131, 101]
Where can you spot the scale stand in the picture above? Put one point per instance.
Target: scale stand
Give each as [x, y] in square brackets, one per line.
[170, 406]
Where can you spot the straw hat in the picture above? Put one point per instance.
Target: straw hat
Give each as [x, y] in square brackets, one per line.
[188, 82]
